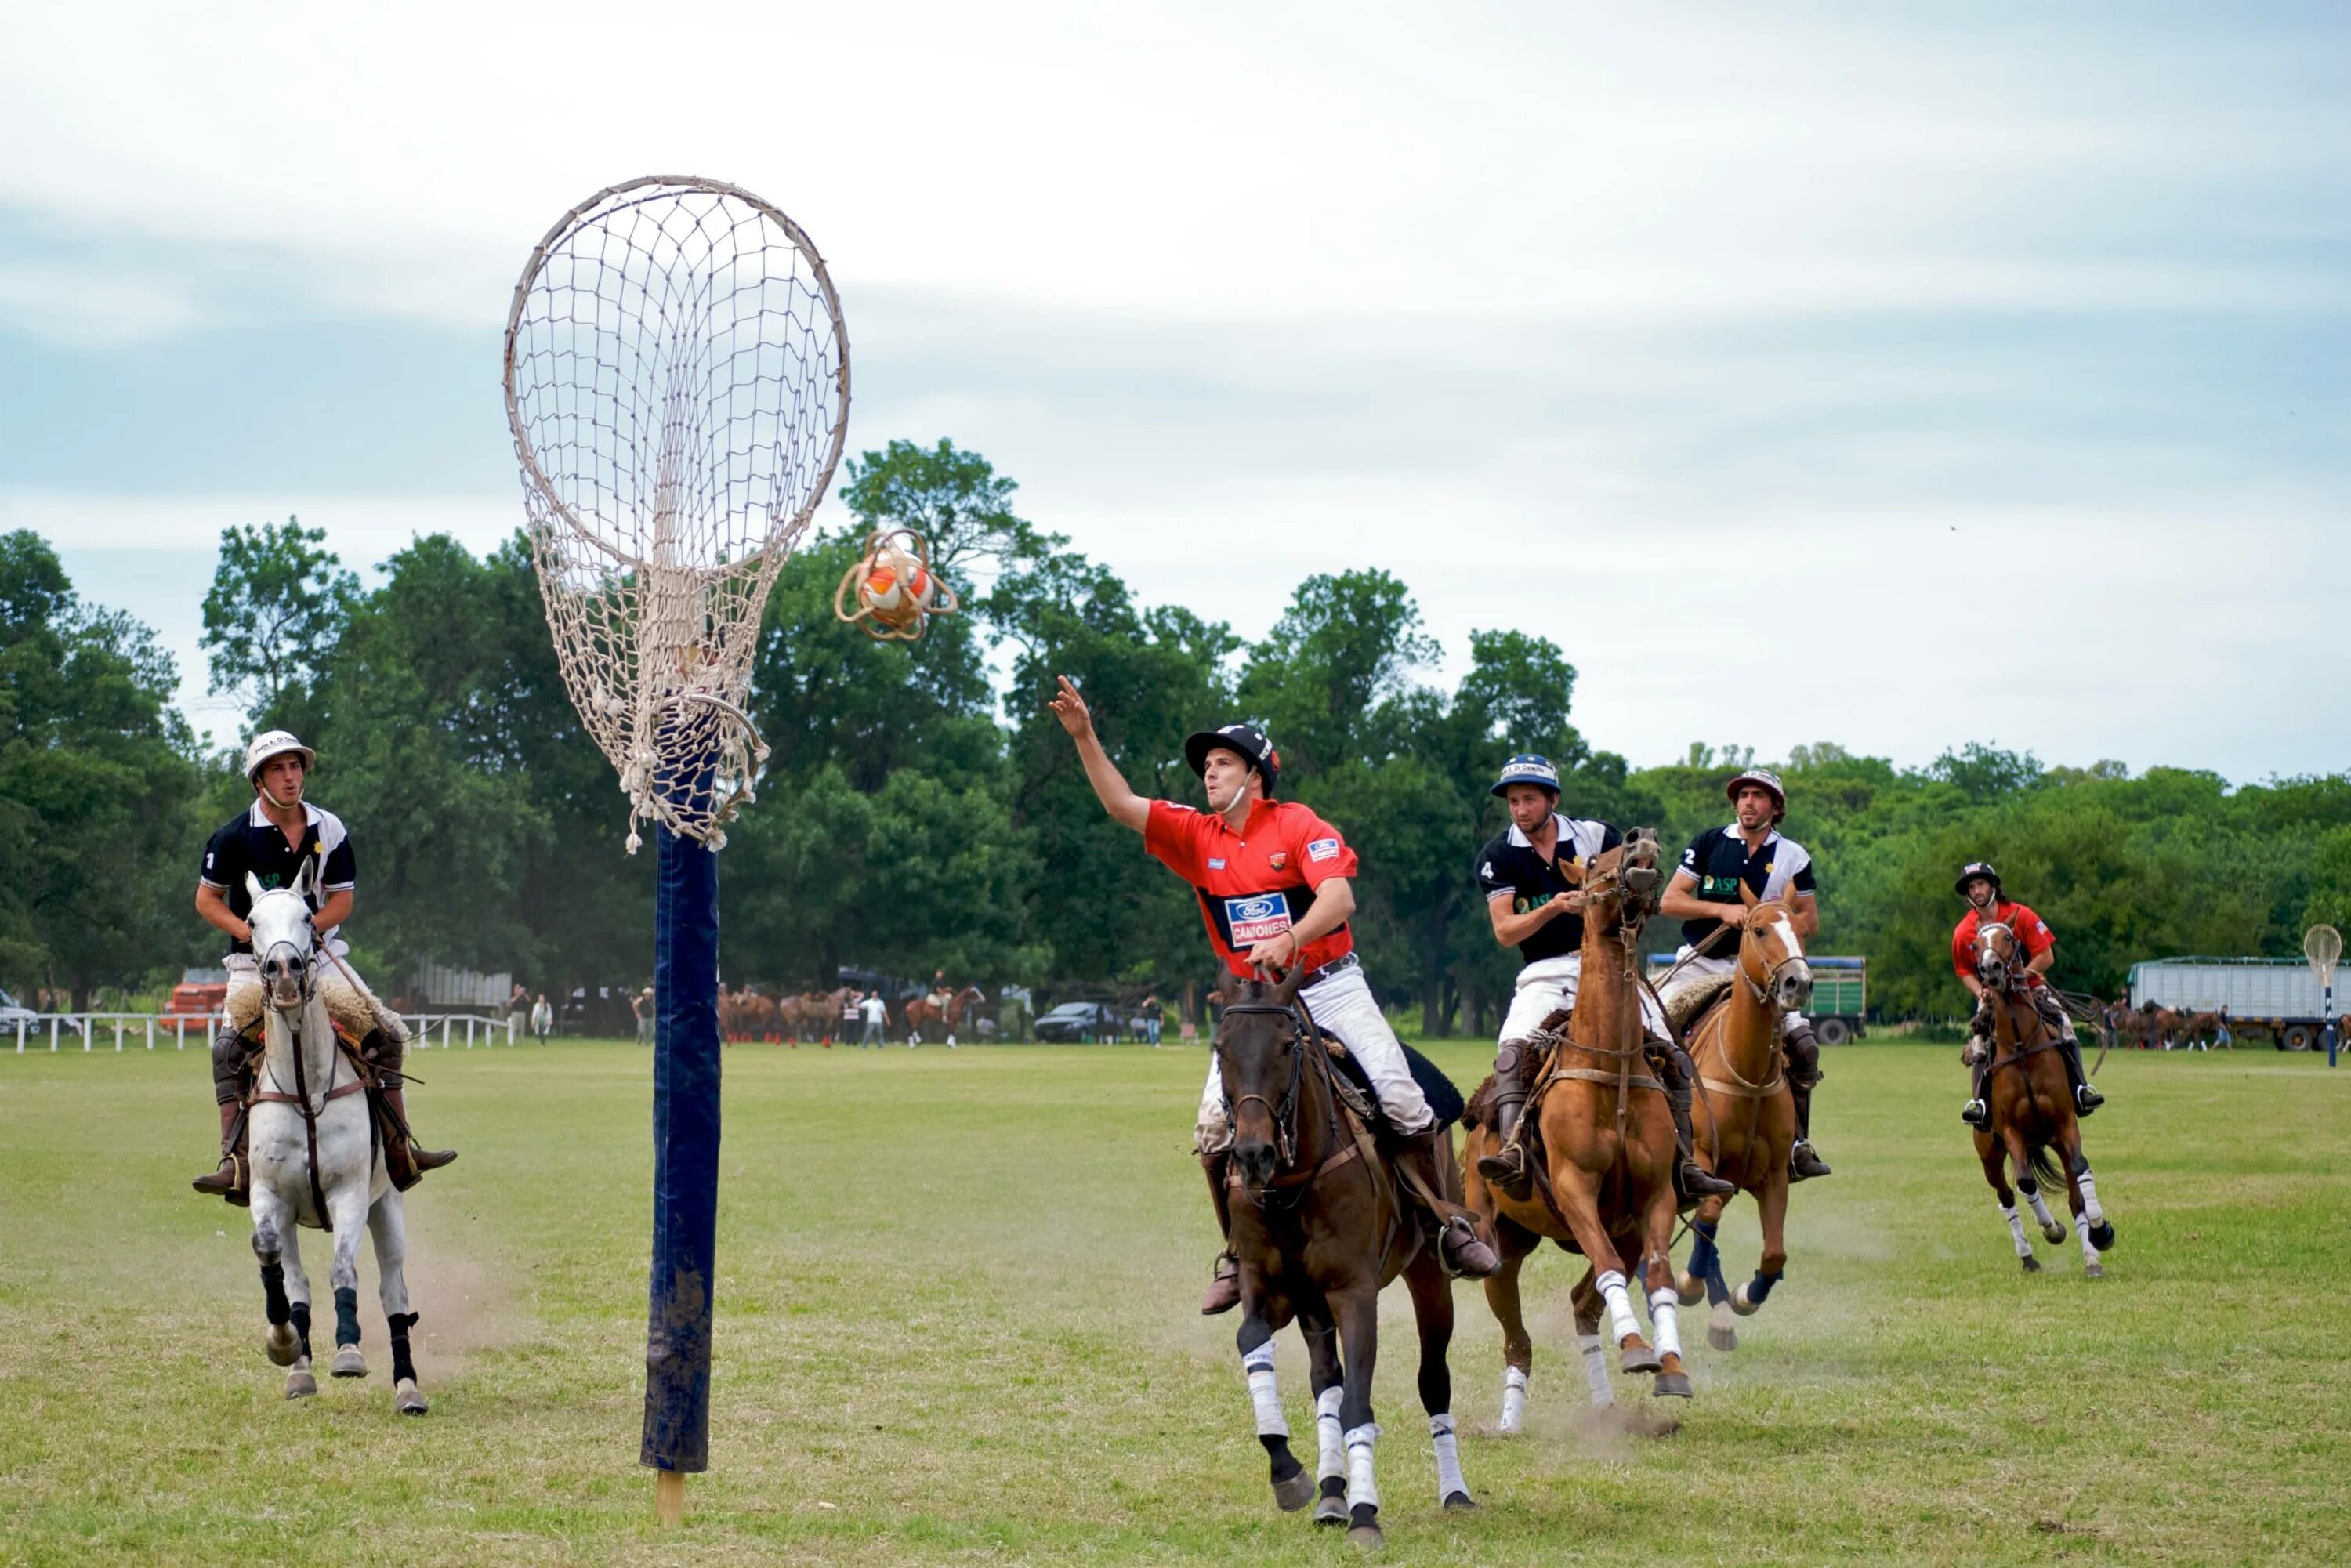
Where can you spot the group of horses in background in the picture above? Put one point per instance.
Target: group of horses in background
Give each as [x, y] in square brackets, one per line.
[747, 1016]
[2150, 1028]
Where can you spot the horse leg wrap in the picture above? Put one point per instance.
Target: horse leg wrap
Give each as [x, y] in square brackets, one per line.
[299, 1314]
[2040, 1205]
[1362, 1486]
[2091, 1210]
[1621, 1321]
[347, 1315]
[273, 1293]
[1448, 1457]
[402, 1365]
[1705, 1262]
[1331, 1457]
[1665, 1316]
[1595, 1369]
[2016, 1229]
[1263, 1397]
[1514, 1395]
[1752, 1294]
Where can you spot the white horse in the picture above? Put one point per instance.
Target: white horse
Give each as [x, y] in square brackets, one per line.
[314, 1162]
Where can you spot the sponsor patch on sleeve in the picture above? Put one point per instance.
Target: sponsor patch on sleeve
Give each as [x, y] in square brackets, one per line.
[1321, 849]
[1256, 918]
[1216, 865]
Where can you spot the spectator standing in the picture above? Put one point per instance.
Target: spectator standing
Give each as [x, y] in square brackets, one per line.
[643, 1008]
[1151, 1016]
[517, 1014]
[542, 1019]
[876, 1015]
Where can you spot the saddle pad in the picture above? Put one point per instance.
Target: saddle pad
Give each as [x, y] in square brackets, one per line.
[1444, 1099]
[1692, 996]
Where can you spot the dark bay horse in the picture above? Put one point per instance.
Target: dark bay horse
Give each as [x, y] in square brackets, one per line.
[1319, 1227]
[1604, 1170]
[1745, 1120]
[2032, 1111]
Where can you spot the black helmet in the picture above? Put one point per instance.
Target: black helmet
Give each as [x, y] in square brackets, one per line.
[1974, 869]
[1769, 780]
[1247, 741]
[1528, 768]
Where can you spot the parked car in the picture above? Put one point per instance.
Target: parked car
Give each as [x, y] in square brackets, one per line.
[1073, 1021]
[13, 1012]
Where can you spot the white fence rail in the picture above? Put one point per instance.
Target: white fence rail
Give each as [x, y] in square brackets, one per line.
[175, 1030]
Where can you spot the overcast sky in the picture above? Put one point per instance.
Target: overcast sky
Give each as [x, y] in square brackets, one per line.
[1894, 379]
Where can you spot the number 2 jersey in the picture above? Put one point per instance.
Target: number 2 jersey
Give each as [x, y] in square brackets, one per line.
[1259, 882]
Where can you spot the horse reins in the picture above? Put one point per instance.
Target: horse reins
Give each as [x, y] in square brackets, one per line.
[300, 1098]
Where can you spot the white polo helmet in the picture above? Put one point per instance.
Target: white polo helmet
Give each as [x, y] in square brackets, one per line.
[272, 743]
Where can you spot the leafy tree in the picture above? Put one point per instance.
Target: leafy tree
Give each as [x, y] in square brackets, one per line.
[278, 604]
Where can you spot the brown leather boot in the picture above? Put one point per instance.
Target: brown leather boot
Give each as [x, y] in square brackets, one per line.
[1225, 1284]
[1459, 1245]
[234, 1179]
[1506, 1168]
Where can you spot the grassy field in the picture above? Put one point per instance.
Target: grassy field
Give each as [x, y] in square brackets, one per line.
[957, 1324]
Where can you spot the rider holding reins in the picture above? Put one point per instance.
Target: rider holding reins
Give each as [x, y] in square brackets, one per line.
[1989, 905]
[1532, 876]
[1706, 895]
[1274, 884]
[272, 840]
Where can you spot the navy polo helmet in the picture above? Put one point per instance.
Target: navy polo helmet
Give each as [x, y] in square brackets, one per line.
[1527, 768]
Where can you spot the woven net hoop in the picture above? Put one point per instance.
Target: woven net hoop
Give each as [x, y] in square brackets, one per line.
[677, 385]
[2322, 945]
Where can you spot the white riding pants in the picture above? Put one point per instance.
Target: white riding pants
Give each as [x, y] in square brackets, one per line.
[1549, 984]
[1344, 1007]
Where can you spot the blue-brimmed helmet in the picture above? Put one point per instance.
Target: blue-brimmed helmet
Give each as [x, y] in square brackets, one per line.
[1528, 768]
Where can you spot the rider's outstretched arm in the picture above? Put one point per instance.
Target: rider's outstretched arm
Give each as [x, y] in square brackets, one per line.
[1109, 787]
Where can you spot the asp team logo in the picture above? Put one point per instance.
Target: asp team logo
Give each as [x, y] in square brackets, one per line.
[1257, 919]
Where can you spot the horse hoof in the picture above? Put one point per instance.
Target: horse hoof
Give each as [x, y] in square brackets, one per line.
[2053, 1233]
[1640, 1358]
[1459, 1502]
[1692, 1287]
[283, 1348]
[1331, 1510]
[2032, 1264]
[349, 1361]
[406, 1400]
[1723, 1338]
[1365, 1531]
[1294, 1493]
[299, 1384]
[1741, 1305]
[1671, 1385]
[2094, 1271]
[2102, 1236]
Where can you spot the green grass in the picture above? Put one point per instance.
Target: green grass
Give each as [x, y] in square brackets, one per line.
[955, 1323]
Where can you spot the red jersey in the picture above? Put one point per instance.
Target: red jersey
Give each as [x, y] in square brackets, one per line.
[1257, 883]
[2031, 932]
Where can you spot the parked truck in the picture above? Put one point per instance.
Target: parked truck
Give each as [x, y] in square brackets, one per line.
[2277, 996]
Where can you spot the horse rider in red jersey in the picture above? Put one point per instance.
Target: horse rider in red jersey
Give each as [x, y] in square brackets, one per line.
[1751, 853]
[1989, 905]
[271, 842]
[1275, 889]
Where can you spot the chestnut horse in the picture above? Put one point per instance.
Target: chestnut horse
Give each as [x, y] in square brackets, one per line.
[921, 1010]
[1604, 1152]
[1745, 1120]
[1319, 1227]
[2032, 1111]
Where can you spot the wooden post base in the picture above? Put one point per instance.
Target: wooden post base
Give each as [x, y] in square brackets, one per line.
[669, 1498]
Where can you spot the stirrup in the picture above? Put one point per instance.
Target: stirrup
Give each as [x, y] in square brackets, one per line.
[2087, 1099]
[1805, 1161]
[1515, 1178]
[1977, 1113]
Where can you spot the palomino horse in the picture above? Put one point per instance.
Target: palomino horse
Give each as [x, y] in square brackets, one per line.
[921, 1010]
[2032, 1111]
[1317, 1240]
[1603, 1153]
[313, 1155]
[1746, 1118]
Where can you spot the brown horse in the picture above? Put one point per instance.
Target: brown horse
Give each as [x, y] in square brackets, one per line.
[922, 1010]
[813, 1015]
[1604, 1169]
[1318, 1227]
[2032, 1111]
[1746, 1119]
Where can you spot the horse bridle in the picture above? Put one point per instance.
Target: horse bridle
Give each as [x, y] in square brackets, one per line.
[1284, 1115]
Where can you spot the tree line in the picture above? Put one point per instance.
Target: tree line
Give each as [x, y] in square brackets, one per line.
[922, 811]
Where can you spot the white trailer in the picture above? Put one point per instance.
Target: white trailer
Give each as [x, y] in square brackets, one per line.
[2280, 995]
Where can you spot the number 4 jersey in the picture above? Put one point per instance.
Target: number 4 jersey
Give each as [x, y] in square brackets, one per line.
[1257, 883]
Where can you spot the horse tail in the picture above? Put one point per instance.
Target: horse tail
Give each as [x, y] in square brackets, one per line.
[2045, 1168]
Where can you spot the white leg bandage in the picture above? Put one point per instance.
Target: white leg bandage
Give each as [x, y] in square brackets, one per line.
[2089, 1251]
[2016, 1230]
[2039, 1207]
[1331, 1460]
[1621, 1321]
[1514, 1398]
[1362, 1487]
[1665, 1316]
[1595, 1369]
[1263, 1397]
[2091, 1210]
[1448, 1457]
